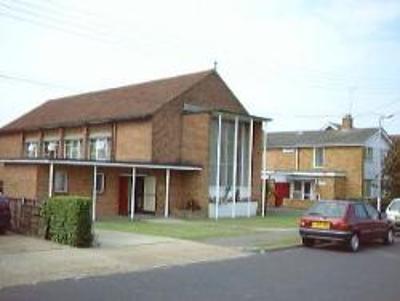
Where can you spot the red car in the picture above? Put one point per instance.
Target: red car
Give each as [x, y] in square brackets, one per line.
[344, 221]
[5, 215]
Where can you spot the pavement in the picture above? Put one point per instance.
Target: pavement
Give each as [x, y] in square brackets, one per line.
[317, 274]
[28, 260]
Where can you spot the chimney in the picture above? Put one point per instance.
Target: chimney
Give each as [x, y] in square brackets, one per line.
[347, 122]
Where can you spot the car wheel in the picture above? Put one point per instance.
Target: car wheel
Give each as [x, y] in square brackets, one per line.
[354, 243]
[308, 242]
[389, 238]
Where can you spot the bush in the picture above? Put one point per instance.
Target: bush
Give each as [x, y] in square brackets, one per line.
[68, 220]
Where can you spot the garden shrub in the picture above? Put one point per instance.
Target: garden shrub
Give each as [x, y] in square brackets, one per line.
[67, 220]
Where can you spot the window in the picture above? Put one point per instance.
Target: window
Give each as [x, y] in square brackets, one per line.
[50, 149]
[297, 190]
[372, 212]
[60, 182]
[32, 149]
[72, 149]
[367, 188]
[100, 183]
[328, 209]
[360, 211]
[226, 192]
[319, 157]
[369, 154]
[100, 149]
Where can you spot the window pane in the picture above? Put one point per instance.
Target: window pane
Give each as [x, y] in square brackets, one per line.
[360, 211]
[328, 209]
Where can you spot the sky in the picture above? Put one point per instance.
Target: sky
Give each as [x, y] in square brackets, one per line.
[301, 63]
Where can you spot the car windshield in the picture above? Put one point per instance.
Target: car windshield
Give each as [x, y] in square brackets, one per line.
[327, 209]
[395, 206]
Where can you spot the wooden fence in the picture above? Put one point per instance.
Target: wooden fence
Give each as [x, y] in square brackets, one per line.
[25, 216]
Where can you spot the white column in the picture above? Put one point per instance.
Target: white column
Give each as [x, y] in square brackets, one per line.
[133, 188]
[235, 145]
[250, 165]
[167, 178]
[218, 181]
[51, 179]
[94, 193]
[264, 168]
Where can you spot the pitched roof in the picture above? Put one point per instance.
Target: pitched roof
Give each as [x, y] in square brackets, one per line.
[320, 138]
[128, 102]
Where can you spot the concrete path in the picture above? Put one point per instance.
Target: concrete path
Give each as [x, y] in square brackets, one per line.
[26, 260]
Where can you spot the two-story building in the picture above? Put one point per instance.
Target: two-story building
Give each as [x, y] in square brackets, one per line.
[337, 162]
[160, 147]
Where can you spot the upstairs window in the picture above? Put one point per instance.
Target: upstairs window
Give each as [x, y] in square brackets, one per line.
[367, 188]
[50, 149]
[369, 154]
[100, 149]
[72, 149]
[319, 157]
[32, 149]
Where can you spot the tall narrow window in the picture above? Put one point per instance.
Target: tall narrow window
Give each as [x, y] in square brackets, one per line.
[369, 154]
[60, 182]
[72, 149]
[32, 149]
[50, 149]
[319, 157]
[100, 149]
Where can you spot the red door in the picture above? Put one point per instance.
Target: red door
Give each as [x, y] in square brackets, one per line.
[123, 196]
[281, 192]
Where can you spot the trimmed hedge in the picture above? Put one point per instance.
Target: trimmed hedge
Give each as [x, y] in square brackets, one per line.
[68, 220]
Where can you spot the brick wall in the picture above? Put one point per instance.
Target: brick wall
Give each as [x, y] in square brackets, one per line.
[278, 160]
[195, 150]
[19, 181]
[348, 160]
[11, 146]
[257, 161]
[134, 141]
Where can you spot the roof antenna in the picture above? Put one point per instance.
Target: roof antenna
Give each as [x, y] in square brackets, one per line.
[215, 65]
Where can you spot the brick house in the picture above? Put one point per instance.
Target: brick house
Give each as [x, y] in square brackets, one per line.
[161, 147]
[337, 162]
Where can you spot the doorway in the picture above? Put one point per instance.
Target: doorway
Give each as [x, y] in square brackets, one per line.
[145, 195]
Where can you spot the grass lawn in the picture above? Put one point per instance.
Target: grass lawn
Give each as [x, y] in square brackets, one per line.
[199, 229]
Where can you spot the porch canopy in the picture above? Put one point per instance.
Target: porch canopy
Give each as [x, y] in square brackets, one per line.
[116, 164]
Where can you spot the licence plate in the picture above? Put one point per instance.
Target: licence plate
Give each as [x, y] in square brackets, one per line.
[320, 225]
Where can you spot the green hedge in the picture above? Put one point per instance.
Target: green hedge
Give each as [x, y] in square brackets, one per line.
[68, 220]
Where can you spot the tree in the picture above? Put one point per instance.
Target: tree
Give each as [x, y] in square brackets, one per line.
[391, 172]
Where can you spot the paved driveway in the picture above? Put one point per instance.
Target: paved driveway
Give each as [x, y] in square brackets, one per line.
[27, 260]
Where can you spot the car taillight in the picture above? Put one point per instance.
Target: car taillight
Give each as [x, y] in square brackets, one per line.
[342, 226]
[303, 223]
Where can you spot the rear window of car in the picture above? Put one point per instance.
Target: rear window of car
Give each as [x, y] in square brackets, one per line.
[327, 209]
[395, 206]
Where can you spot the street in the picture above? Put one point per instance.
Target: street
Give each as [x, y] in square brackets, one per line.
[329, 273]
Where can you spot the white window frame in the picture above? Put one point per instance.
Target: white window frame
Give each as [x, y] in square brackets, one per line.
[97, 150]
[102, 181]
[315, 157]
[36, 152]
[65, 188]
[47, 153]
[369, 154]
[69, 155]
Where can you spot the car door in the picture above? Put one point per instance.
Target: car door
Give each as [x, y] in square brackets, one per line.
[363, 222]
[379, 227]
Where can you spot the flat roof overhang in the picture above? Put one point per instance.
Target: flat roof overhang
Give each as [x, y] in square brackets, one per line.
[233, 115]
[316, 174]
[121, 164]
